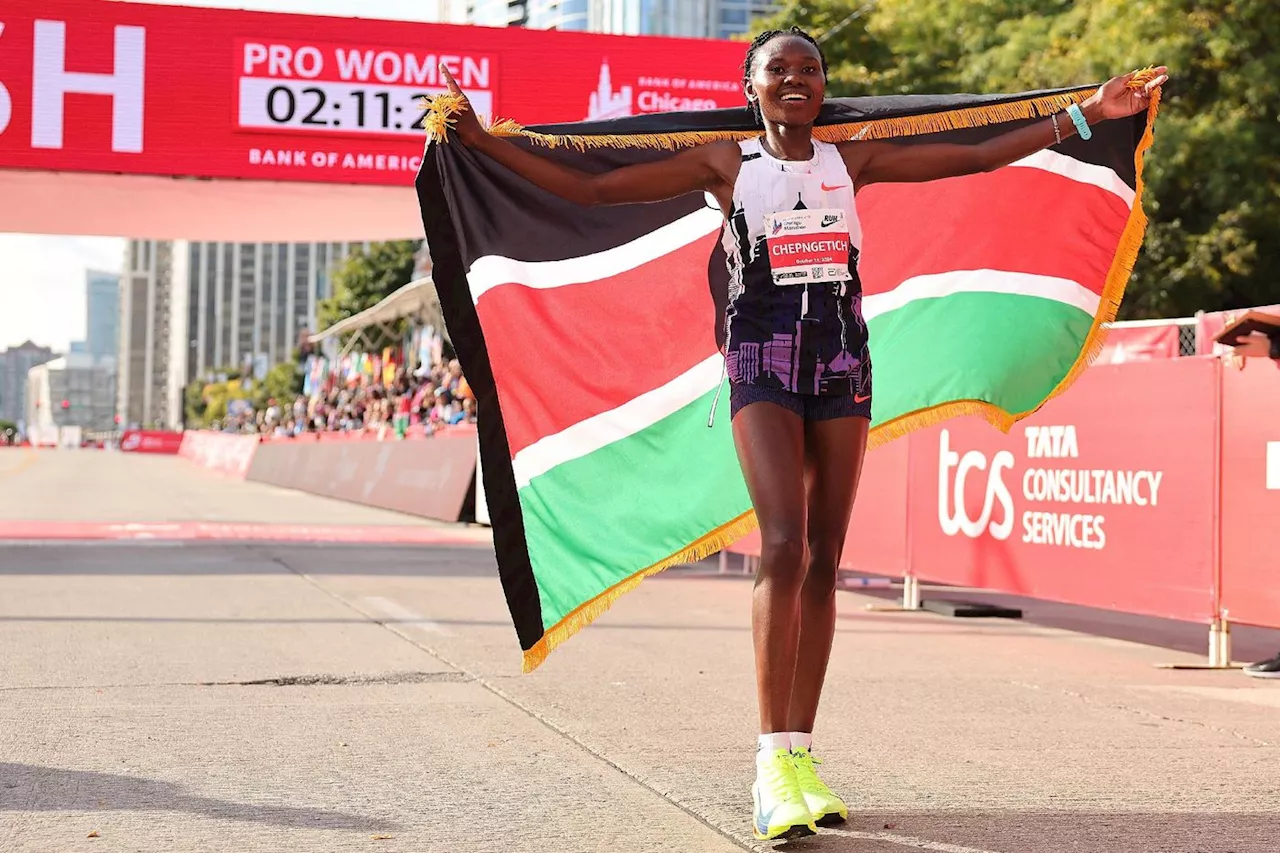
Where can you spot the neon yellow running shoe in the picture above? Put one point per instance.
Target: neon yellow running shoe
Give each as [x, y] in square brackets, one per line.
[826, 808]
[780, 807]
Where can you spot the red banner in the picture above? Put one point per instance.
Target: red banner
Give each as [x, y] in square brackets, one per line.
[1104, 498]
[221, 452]
[1250, 492]
[150, 441]
[1139, 343]
[1209, 324]
[430, 478]
[165, 90]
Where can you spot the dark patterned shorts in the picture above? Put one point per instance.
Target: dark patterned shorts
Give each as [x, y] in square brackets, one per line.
[809, 407]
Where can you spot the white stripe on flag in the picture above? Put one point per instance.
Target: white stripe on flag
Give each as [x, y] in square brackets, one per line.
[492, 271]
[981, 281]
[1079, 171]
[597, 431]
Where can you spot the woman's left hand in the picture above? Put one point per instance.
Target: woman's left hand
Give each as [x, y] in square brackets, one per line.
[1117, 99]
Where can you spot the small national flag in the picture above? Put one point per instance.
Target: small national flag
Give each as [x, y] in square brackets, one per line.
[590, 335]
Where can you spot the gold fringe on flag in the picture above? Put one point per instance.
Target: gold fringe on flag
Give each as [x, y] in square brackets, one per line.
[586, 613]
[1122, 262]
[440, 115]
[889, 128]
[441, 112]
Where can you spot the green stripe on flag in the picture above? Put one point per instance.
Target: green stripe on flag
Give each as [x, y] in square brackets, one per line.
[1005, 349]
[596, 520]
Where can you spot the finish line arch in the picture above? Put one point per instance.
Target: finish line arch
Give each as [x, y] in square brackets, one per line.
[169, 122]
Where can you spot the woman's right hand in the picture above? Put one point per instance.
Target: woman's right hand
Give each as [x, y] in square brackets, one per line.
[466, 124]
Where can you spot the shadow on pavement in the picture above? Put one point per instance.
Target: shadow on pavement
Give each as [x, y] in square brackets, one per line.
[27, 787]
[226, 558]
[1049, 832]
[1248, 642]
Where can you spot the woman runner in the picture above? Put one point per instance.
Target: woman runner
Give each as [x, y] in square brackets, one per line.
[796, 354]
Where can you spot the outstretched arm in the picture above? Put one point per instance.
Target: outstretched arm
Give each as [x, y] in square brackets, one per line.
[887, 162]
[694, 170]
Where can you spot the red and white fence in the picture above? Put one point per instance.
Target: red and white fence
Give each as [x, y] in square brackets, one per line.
[431, 476]
[1150, 488]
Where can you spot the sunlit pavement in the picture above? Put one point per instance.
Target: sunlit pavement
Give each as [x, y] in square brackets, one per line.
[188, 695]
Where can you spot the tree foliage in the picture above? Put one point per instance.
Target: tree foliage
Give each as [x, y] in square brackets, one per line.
[1212, 176]
[282, 383]
[194, 405]
[366, 278]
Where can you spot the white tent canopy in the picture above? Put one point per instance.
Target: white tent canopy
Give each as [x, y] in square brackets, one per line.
[417, 299]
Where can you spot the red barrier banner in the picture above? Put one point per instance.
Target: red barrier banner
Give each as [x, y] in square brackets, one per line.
[222, 452]
[1139, 343]
[150, 441]
[1210, 323]
[1251, 493]
[138, 89]
[1105, 498]
[430, 478]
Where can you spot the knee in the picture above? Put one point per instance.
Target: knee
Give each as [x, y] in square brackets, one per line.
[782, 553]
[824, 562]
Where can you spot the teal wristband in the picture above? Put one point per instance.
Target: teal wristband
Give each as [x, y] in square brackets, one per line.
[1077, 117]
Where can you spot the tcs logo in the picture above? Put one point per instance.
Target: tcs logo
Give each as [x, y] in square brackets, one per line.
[953, 515]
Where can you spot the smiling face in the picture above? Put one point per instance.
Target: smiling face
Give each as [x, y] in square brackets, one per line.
[786, 81]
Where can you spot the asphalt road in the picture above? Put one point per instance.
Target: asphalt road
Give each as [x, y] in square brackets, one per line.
[173, 696]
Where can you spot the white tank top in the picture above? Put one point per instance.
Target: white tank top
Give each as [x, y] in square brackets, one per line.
[793, 319]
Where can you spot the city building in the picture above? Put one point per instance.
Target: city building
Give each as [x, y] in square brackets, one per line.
[102, 323]
[146, 297]
[192, 309]
[558, 14]
[15, 364]
[497, 13]
[721, 19]
[76, 390]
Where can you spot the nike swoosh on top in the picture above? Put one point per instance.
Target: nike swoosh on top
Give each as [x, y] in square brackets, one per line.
[827, 189]
[858, 398]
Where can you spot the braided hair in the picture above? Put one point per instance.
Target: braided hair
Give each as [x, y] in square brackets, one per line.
[760, 41]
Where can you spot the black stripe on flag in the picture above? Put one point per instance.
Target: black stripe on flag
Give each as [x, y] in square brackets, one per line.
[436, 199]
[506, 215]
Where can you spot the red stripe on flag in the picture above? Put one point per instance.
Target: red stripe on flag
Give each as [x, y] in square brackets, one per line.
[579, 350]
[1017, 220]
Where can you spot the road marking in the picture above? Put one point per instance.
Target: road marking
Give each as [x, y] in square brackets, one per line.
[904, 841]
[28, 459]
[244, 532]
[405, 615]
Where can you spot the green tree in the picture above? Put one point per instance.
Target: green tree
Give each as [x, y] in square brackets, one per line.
[1214, 238]
[282, 383]
[366, 278]
[194, 405]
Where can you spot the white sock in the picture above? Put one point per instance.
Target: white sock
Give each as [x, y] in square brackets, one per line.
[804, 739]
[771, 743]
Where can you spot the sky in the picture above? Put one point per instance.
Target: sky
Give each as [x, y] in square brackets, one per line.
[42, 278]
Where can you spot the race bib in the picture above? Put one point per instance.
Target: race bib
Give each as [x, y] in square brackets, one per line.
[807, 246]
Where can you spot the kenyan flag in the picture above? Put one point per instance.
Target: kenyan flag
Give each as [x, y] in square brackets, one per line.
[590, 335]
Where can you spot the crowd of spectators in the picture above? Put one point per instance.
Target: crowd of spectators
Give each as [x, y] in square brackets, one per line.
[421, 401]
